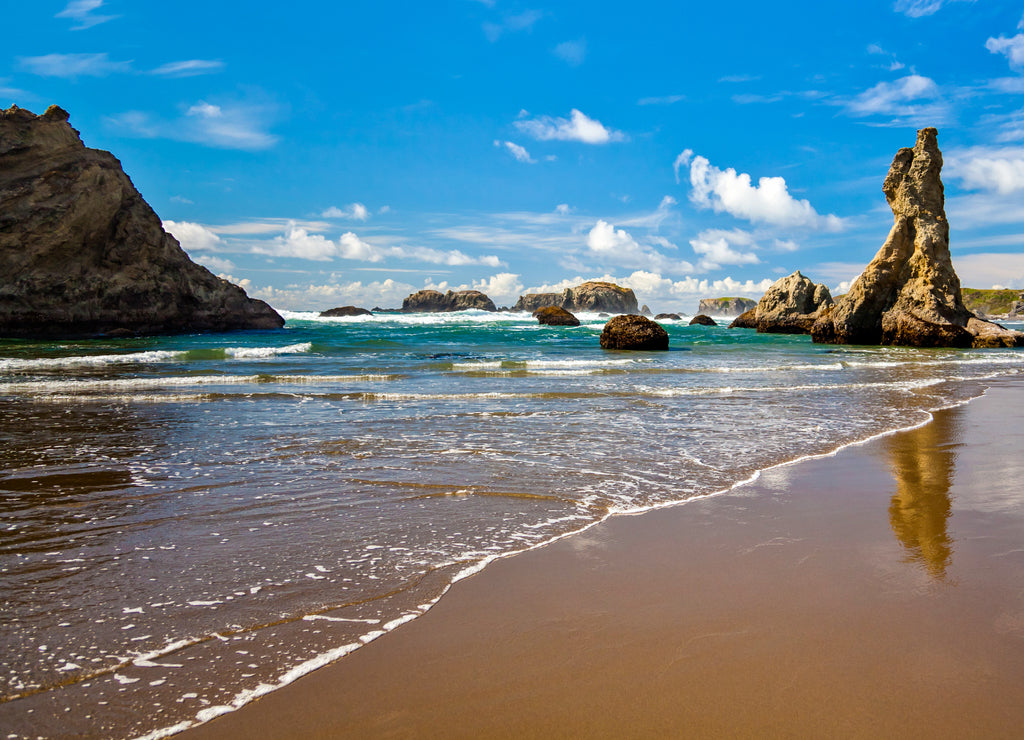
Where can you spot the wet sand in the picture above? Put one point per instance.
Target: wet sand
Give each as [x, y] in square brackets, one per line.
[879, 592]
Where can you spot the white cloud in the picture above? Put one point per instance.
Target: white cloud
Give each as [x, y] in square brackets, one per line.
[913, 97]
[661, 100]
[217, 264]
[504, 288]
[767, 202]
[1011, 48]
[611, 246]
[192, 237]
[188, 68]
[354, 211]
[386, 293]
[81, 11]
[520, 153]
[522, 22]
[998, 169]
[984, 209]
[984, 270]
[683, 160]
[572, 53]
[578, 127]
[919, 8]
[563, 209]
[715, 246]
[227, 126]
[73, 66]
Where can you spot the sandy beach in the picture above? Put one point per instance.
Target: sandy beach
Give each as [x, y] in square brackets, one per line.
[876, 592]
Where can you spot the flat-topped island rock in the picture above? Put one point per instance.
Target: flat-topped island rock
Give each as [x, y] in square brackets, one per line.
[594, 295]
[432, 301]
[82, 254]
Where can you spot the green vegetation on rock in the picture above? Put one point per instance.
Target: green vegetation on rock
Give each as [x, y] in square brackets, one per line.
[992, 302]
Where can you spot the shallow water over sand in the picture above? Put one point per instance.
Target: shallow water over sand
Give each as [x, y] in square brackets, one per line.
[188, 522]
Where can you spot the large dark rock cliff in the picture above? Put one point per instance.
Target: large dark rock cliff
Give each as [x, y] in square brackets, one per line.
[593, 296]
[82, 254]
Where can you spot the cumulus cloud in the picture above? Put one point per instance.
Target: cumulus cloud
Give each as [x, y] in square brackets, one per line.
[193, 237]
[519, 152]
[716, 248]
[188, 68]
[354, 211]
[312, 297]
[997, 169]
[767, 202]
[572, 53]
[82, 12]
[73, 66]
[1011, 48]
[613, 246]
[578, 127]
[503, 288]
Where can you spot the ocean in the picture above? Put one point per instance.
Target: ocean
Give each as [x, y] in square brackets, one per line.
[187, 523]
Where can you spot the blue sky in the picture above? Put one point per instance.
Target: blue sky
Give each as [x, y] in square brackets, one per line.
[326, 153]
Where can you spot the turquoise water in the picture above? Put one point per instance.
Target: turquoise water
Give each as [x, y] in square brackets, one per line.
[188, 522]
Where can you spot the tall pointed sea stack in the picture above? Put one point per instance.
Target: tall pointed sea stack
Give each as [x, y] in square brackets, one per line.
[82, 254]
[910, 295]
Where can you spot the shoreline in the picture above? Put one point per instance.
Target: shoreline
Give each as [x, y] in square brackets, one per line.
[307, 702]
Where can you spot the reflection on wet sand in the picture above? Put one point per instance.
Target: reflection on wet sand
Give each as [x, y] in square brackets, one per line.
[923, 463]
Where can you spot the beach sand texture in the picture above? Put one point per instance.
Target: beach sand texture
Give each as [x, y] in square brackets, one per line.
[878, 592]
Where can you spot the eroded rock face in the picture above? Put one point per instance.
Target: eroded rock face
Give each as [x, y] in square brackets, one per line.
[668, 316]
[725, 306]
[82, 254]
[555, 316]
[909, 294]
[432, 301]
[633, 332]
[790, 306]
[342, 311]
[593, 296]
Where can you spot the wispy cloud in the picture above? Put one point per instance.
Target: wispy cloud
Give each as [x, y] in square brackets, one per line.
[913, 98]
[996, 169]
[83, 13]
[189, 68]
[578, 127]
[920, 8]
[573, 53]
[513, 23]
[1012, 48]
[228, 126]
[72, 66]
[661, 100]
[519, 152]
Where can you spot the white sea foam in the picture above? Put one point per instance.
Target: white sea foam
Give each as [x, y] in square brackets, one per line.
[56, 363]
[179, 381]
[261, 352]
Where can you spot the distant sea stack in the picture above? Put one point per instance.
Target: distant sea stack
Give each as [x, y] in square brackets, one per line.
[594, 296]
[432, 301]
[725, 307]
[82, 254]
[790, 306]
[909, 294]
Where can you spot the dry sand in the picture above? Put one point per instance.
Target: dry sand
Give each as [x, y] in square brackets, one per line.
[876, 593]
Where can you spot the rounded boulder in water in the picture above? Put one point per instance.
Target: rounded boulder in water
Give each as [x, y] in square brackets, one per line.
[633, 332]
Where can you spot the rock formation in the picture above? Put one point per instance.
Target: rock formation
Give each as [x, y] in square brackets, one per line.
[645, 310]
[633, 332]
[555, 316]
[593, 296]
[790, 306]
[725, 306]
[909, 294]
[333, 313]
[82, 254]
[668, 316]
[431, 301]
[703, 320]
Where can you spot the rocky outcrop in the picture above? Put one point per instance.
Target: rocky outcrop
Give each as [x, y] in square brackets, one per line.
[592, 296]
[82, 254]
[668, 317]
[909, 294]
[343, 311]
[790, 306]
[555, 316]
[703, 320]
[725, 306]
[432, 301]
[645, 310]
[633, 332]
